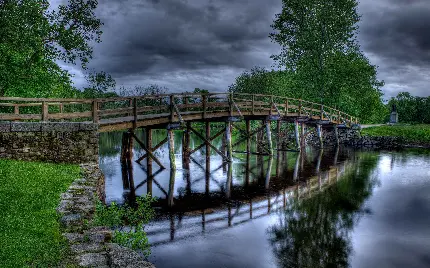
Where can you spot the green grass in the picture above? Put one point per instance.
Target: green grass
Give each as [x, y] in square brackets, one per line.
[29, 227]
[411, 133]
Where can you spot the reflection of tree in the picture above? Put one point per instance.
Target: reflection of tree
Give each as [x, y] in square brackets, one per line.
[315, 232]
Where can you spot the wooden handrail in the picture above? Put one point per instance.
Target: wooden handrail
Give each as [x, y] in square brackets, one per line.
[203, 103]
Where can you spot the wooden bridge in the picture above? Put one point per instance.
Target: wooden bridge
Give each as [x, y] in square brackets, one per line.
[179, 111]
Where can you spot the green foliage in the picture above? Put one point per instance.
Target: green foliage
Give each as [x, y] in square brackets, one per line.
[29, 228]
[129, 222]
[322, 59]
[411, 109]
[33, 38]
[410, 133]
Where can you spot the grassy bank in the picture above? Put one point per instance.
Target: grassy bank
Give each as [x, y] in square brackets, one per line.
[410, 133]
[29, 228]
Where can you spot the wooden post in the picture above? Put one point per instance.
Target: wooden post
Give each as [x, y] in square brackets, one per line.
[44, 111]
[296, 133]
[248, 141]
[124, 146]
[148, 142]
[186, 146]
[95, 112]
[134, 113]
[171, 141]
[286, 107]
[229, 181]
[208, 148]
[296, 168]
[269, 136]
[228, 140]
[336, 135]
[253, 105]
[319, 133]
[172, 114]
[302, 134]
[230, 104]
[268, 173]
[278, 132]
[130, 145]
[322, 112]
[204, 100]
[170, 200]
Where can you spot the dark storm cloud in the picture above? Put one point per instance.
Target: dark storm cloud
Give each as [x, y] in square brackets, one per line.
[394, 34]
[154, 37]
[206, 43]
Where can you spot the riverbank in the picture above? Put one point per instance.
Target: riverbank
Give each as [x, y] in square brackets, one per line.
[414, 136]
[91, 245]
[29, 227]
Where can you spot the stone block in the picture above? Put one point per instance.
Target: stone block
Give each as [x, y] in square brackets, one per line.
[93, 260]
[60, 126]
[4, 126]
[88, 126]
[25, 126]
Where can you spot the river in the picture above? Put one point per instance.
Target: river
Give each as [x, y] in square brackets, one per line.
[330, 208]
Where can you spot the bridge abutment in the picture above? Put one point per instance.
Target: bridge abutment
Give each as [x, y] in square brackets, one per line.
[59, 142]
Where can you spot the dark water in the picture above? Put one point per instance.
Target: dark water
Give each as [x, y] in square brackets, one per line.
[330, 208]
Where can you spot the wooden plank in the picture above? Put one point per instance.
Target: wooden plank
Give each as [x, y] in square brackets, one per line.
[70, 115]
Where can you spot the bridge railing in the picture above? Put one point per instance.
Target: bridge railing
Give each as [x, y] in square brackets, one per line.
[165, 105]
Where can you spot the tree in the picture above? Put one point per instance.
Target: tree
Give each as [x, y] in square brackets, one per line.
[319, 47]
[34, 38]
[99, 84]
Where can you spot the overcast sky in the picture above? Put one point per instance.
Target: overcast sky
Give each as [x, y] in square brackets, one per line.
[183, 44]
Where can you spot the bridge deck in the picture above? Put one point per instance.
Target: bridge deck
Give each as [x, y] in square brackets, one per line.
[152, 110]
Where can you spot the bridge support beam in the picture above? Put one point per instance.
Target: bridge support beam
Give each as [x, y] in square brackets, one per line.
[228, 141]
[320, 138]
[336, 134]
[171, 142]
[186, 146]
[208, 147]
[269, 136]
[296, 134]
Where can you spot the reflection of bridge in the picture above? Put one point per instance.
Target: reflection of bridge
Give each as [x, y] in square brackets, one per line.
[179, 111]
[236, 208]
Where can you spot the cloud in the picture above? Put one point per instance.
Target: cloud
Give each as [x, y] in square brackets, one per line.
[394, 36]
[162, 40]
[206, 43]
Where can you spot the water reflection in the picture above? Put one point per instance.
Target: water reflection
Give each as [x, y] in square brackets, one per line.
[329, 208]
[316, 231]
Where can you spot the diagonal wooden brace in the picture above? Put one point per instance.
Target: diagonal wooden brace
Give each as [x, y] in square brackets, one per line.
[249, 136]
[153, 149]
[208, 143]
[211, 139]
[147, 151]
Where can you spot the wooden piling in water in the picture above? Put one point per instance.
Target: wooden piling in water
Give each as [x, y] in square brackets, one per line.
[148, 142]
[336, 134]
[320, 138]
[296, 134]
[248, 141]
[269, 137]
[208, 147]
[171, 142]
[228, 141]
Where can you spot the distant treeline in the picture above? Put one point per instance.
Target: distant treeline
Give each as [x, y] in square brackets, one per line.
[411, 109]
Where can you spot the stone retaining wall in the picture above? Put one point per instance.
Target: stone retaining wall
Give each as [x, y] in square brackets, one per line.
[67, 142]
[91, 246]
[353, 138]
